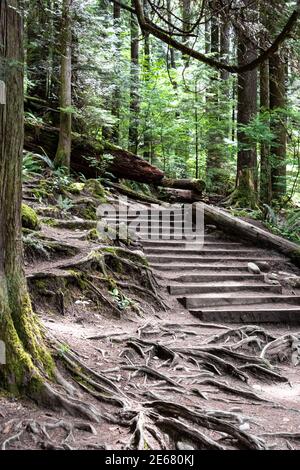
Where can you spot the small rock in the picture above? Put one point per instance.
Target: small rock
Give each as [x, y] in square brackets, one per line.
[139, 253]
[181, 445]
[273, 276]
[244, 427]
[235, 409]
[155, 358]
[285, 420]
[263, 266]
[253, 268]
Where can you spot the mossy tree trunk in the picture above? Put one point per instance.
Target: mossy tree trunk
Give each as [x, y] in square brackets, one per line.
[26, 353]
[63, 154]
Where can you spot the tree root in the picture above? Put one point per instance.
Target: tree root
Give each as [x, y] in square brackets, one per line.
[228, 389]
[138, 440]
[283, 347]
[39, 431]
[187, 432]
[152, 372]
[246, 440]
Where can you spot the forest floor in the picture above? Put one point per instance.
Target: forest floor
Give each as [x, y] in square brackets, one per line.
[156, 376]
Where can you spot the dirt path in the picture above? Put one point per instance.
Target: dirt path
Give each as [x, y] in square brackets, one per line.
[158, 378]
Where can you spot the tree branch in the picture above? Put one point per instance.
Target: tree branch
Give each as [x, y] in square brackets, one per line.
[147, 25]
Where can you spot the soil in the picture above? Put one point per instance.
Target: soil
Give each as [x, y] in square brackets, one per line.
[126, 350]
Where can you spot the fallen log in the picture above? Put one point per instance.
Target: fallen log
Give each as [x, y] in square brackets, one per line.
[124, 164]
[186, 196]
[195, 185]
[236, 226]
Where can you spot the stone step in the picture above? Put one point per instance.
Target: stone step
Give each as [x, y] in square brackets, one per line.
[193, 260]
[143, 217]
[240, 298]
[202, 268]
[210, 242]
[259, 314]
[205, 251]
[183, 289]
[218, 277]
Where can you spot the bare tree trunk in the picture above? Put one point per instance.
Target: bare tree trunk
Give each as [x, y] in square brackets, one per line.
[214, 134]
[116, 102]
[63, 154]
[278, 125]
[133, 133]
[265, 192]
[265, 168]
[147, 69]
[26, 354]
[246, 180]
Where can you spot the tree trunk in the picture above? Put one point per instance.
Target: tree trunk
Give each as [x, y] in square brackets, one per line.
[38, 43]
[27, 359]
[234, 225]
[116, 102]
[195, 185]
[265, 188]
[133, 132]
[214, 134]
[147, 70]
[265, 168]
[278, 125]
[246, 180]
[63, 154]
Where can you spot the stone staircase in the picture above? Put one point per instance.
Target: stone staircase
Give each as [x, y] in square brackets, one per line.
[210, 276]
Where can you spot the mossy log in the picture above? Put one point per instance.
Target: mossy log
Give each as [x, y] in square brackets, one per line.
[234, 225]
[124, 164]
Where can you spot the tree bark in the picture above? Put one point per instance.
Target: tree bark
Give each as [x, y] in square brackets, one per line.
[246, 179]
[147, 70]
[278, 125]
[265, 168]
[63, 154]
[27, 358]
[116, 102]
[134, 107]
[214, 134]
[124, 165]
[195, 185]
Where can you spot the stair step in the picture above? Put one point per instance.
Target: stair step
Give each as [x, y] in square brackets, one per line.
[202, 268]
[205, 251]
[240, 298]
[259, 314]
[182, 289]
[218, 277]
[208, 259]
[180, 244]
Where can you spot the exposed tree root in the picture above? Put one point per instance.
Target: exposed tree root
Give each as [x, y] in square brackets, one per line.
[287, 346]
[138, 440]
[246, 440]
[232, 390]
[40, 433]
[185, 431]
